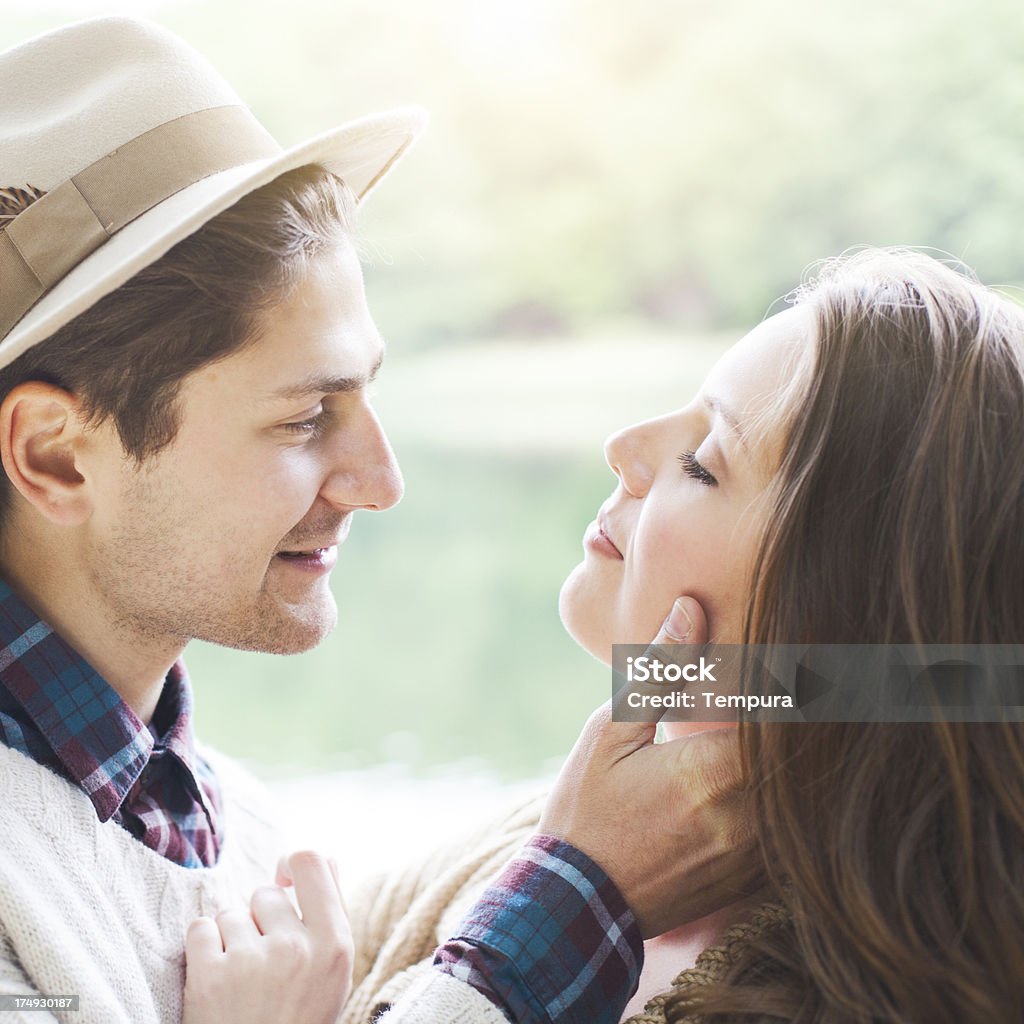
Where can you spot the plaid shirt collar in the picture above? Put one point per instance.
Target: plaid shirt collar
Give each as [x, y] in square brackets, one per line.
[102, 744]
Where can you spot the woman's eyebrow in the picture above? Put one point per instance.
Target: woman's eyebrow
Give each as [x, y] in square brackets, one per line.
[716, 406]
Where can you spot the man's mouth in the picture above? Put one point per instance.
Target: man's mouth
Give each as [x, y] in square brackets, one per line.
[322, 553]
[311, 553]
[313, 560]
[327, 545]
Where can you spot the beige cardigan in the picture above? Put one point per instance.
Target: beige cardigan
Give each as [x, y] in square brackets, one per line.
[399, 919]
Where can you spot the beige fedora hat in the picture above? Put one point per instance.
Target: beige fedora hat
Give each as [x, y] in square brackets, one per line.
[117, 140]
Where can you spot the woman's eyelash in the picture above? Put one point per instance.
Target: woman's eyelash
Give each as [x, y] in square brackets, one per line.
[693, 468]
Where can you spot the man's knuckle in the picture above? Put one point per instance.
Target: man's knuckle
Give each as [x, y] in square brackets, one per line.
[715, 781]
[714, 770]
[599, 718]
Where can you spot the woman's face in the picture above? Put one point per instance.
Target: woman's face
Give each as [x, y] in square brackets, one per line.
[686, 516]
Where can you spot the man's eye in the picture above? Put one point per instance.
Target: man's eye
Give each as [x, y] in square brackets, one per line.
[312, 427]
[693, 468]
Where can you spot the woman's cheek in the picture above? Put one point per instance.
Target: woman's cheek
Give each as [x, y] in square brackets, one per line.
[661, 573]
[668, 555]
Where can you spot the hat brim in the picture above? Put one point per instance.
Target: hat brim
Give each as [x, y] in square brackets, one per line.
[361, 152]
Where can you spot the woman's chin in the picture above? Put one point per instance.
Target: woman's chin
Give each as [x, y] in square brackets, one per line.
[579, 620]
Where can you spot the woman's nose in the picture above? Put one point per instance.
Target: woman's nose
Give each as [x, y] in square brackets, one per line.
[628, 454]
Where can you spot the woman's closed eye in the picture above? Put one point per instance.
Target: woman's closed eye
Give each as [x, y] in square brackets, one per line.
[693, 468]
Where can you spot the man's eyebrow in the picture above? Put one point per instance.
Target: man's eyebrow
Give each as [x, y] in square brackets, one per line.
[326, 384]
[716, 406]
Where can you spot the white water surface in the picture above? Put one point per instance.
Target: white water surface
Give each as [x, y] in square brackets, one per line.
[381, 819]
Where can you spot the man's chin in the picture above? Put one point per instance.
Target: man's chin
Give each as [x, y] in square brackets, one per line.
[290, 634]
[299, 635]
[292, 644]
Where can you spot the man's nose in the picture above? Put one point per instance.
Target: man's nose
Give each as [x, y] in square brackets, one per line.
[628, 453]
[366, 473]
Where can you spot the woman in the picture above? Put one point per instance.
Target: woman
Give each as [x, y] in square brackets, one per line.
[851, 472]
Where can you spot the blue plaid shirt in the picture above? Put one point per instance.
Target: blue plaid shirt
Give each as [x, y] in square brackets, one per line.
[58, 710]
[550, 940]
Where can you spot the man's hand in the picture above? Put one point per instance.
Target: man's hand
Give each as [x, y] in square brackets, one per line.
[269, 966]
[665, 820]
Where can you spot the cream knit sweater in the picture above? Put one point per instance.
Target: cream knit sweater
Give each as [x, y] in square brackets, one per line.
[87, 909]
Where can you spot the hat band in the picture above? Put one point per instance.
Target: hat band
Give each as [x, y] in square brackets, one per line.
[56, 232]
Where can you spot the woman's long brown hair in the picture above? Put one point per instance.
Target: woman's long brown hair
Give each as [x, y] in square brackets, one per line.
[897, 516]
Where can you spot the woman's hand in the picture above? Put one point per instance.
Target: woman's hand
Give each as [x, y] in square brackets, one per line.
[270, 966]
[666, 821]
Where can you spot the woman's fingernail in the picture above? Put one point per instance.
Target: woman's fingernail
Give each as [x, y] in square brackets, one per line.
[679, 625]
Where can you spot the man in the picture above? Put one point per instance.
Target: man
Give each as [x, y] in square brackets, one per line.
[185, 432]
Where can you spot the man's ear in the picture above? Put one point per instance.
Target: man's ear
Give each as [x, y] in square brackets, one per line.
[41, 436]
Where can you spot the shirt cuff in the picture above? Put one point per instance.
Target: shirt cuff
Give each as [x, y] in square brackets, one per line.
[551, 939]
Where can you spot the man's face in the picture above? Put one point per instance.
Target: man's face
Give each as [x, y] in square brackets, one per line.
[229, 534]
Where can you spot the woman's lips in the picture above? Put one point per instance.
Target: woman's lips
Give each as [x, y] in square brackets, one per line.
[596, 539]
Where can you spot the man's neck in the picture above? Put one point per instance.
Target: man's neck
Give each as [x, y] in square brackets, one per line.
[134, 666]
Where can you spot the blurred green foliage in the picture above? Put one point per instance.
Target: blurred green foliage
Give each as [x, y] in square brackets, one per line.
[669, 167]
[678, 160]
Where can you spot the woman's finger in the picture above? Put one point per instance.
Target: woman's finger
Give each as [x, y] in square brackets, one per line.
[202, 940]
[333, 864]
[272, 909]
[237, 928]
[318, 895]
[284, 873]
